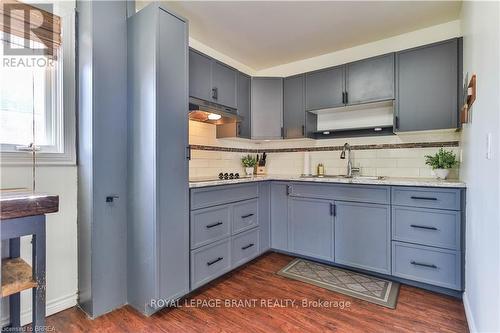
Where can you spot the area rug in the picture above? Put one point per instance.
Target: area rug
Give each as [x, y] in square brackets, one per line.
[368, 288]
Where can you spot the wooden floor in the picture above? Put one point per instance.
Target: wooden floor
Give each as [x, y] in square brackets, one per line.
[417, 310]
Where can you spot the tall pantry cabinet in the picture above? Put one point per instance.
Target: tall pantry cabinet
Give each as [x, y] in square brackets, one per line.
[158, 220]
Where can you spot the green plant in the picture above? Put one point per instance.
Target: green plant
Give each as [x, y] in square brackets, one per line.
[443, 159]
[249, 161]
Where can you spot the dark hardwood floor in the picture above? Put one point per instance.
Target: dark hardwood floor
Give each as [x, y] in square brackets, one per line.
[417, 310]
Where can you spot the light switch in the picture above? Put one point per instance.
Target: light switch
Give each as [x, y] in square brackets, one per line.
[488, 147]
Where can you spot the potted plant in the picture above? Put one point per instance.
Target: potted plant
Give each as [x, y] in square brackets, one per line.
[441, 162]
[249, 162]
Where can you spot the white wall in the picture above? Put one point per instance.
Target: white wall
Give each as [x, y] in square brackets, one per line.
[61, 270]
[480, 27]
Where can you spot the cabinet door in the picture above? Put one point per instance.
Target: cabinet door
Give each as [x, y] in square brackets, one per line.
[279, 216]
[324, 89]
[426, 87]
[370, 80]
[310, 223]
[172, 192]
[243, 105]
[224, 84]
[362, 236]
[294, 113]
[267, 107]
[200, 76]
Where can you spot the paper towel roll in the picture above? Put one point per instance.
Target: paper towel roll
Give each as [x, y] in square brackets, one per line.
[306, 169]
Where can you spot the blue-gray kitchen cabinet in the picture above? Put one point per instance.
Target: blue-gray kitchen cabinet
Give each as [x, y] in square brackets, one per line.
[158, 216]
[224, 82]
[311, 228]
[200, 75]
[325, 88]
[294, 112]
[427, 85]
[370, 80]
[267, 107]
[279, 216]
[363, 236]
[243, 105]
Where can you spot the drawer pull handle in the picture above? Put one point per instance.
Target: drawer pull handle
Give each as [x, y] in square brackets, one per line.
[422, 264]
[214, 225]
[210, 263]
[423, 227]
[247, 246]
[424, 198]
[245, 216]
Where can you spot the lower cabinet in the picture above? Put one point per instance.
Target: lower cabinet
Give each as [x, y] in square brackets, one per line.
[279, 216]
[209, 262]
[311, 227]
[363, 236]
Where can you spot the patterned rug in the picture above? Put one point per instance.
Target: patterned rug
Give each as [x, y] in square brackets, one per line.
[368, 288]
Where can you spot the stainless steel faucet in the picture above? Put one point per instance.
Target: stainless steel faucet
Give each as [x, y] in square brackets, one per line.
[350, 168]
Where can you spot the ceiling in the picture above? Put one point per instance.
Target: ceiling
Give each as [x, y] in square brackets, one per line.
[262, 34]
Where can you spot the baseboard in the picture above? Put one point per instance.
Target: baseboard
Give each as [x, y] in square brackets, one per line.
[468, 313]
[52, 307]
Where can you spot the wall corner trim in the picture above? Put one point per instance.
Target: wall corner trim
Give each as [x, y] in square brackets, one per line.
[468, 313]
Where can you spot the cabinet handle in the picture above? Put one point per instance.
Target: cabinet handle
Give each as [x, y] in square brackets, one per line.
[303, 130]
[423, 227]
[214, 225]
[288, 189]
[245, 216]
[343, 97]
[238, 130]
[423, 265]
[214, 93]
[346, 97]
[424, 198]
[333, 209]
[247, 246]
[188, 153]
[111, 198]
[282, 132]
[397, 122]
[210, 263]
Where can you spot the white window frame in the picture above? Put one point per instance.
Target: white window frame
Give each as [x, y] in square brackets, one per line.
[64, 150]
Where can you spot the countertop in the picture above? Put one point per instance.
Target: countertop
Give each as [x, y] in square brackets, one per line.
[16, 203]
[425, 182]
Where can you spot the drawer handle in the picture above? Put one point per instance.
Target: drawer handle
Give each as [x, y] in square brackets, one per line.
[214, 225]
[424, 198]
[423, 227]
[422, 264]
[245, 216]
[210, 263]
[247, 246]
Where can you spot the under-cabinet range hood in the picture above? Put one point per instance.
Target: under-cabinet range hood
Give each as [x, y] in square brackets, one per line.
[207, 112]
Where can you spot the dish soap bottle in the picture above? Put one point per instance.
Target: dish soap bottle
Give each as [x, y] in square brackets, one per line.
[321, 170]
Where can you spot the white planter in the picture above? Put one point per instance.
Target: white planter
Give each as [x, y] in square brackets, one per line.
[249, 171]
[441, 173]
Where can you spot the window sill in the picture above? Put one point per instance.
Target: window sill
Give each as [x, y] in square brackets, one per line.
[25, 158]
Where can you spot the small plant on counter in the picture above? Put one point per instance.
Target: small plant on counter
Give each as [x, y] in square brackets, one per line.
[249, 162]
[441, 162]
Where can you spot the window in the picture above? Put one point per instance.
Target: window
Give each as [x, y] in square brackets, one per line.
[37, 95]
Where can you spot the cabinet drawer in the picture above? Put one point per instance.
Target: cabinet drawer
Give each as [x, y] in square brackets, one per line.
[441, 198]
[432, 227]
[349, 192]
[245, 215]
[425, 264]
[218, 195]
[244, 247]
[209, 225]
[209, 262]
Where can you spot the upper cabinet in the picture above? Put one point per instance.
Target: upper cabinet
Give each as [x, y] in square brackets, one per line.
[211, 80]
[267, 108]
[294, 112]
[325, 88]
[427, 87]
[243, 102]
[370, 80]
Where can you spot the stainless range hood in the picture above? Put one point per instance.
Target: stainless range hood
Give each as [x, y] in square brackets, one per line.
[207, 112]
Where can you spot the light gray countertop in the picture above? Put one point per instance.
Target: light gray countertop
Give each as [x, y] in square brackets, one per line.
[425, 182]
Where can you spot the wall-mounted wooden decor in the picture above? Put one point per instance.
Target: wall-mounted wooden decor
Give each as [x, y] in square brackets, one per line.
[469, 98]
